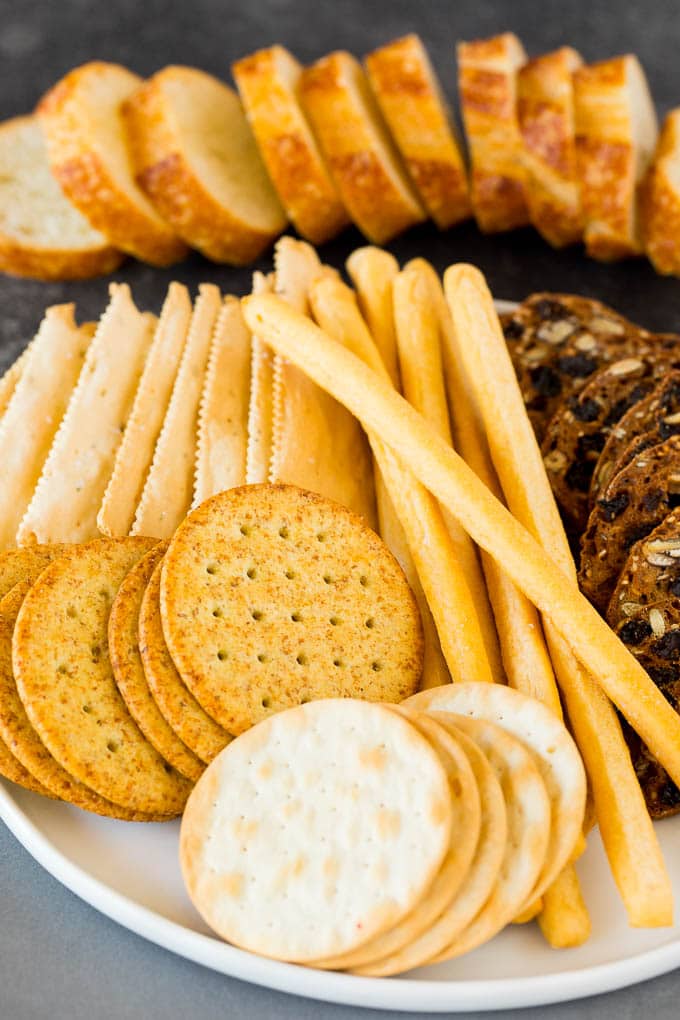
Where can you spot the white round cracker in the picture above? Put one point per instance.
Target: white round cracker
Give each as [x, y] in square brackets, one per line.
[479, 881]
[550, 742]
[528, 815]
[465, 829]
[316, 830]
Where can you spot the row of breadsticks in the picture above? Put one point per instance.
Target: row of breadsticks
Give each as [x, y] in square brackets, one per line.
[153, 167]
[155, 415]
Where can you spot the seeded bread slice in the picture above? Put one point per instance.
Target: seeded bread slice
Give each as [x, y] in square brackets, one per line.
[660, 200]
[89, 156]
[413, 104]
[41, 234]
[362, 157]
[487, 84]
[268, 84]
[545, 106]
[197, 160]
[616, 133]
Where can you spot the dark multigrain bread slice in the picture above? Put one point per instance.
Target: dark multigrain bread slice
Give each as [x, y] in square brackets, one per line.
[557, 341]
[636, 500]
[645, 613]
[650, 421]
[578, 430]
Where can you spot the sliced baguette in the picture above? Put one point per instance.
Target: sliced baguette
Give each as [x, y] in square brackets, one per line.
[42, 235]
[89, 156]
[196, 159]
[268, 84]
[616, 132]
[545, 105]
[362, 157]
[487, 83]
[413, 105]
[660, 204]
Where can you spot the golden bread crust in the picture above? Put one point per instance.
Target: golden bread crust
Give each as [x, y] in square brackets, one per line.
[660, 201]
[359, 153]
[414, 107]
[267, 82]
[86, 177]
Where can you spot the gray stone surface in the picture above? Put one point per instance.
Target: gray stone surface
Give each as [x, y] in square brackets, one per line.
[58, 957]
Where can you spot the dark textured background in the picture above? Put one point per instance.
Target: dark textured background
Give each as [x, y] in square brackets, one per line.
[58, 957]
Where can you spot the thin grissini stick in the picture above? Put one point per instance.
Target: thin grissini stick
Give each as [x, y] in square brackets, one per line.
[420, 361]
[627, 832]
[433, 552]
[525, 657]
[372, 398]
[223, 412]
[259, 443]
[372, 271]
[136, 449]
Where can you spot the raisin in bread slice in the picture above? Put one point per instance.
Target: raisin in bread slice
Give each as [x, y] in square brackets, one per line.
[41, 234]
[359, 151]
[198, 162]
[268, 85]
[89, 156]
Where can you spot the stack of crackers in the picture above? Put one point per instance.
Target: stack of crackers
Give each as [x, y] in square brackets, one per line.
[181, 160]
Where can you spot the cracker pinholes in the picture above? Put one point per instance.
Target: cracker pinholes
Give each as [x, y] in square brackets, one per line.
[316, 830]
[64, 676]
[272, 596]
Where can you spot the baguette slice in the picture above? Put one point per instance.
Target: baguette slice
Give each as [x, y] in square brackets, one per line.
[660, 200]
[89, 156]
[413, 105]
[41, 234]
[197, 160]
[487, 82]
[359, 151]
[545, 105]
[268, 83]
[616, 132]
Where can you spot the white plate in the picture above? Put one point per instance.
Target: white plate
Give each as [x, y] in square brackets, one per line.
[130, 873]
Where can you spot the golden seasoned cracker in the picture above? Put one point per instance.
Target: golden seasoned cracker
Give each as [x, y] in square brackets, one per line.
[65, 680]
[316, 443]
[223, 413]
[146, 417]
[78, 467]
[193, 726]
[271, 596]
[51, 369]
[362, 803]
[18, 565]
[128, 670]
[11, 768]
[168, 489]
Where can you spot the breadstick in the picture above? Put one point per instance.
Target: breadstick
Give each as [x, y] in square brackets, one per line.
[627, 831]
[433, 552]
[372, 398]
[417, 329]
[372, 271]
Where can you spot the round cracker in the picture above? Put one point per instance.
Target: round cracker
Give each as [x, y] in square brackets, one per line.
[64, 677]
[547, 738]
[17, 565]
[528, 814]
[128, 670]
[11, 768]
[205, 737]
[272, 596]
[465, 828]
[23, 741]
[479, 881]
[316, 830]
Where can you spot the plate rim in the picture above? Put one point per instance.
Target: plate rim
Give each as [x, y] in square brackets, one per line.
[402, 994]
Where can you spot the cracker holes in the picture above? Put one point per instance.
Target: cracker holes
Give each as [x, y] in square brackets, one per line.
[96, 653]
[217, 612]
[71, 612]
[244, 529]
[87, 709]
[289, 574]
[376, 666]
[212, 568]
[327, 579]
[112, 746]
[301, 659]
[363, 581]
[283, 531]
[256, 614]
[321, 536]
[261, 657]
[370, 623]
[251, 573]
[334, 621]
[266, 702]
[296, 617]
[338, 662]
[222, 655]
[61, 668]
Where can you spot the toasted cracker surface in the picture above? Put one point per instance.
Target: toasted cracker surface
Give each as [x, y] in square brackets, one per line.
[128, 670]
[64, 676]
[362, 807]
[193, 726]
[272, 595]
